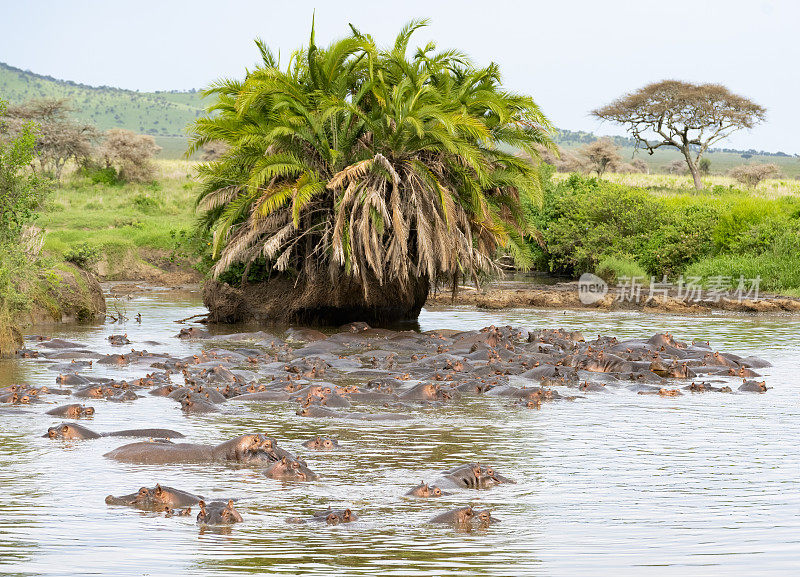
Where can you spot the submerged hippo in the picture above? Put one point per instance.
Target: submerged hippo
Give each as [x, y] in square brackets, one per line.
[424, 490]
[73, 411]
[474, 476]
[288, 469]
[250, 448]
[218, 513]
[159, 498]
[334, 516]
[322, 444]
[465, 516]
[74, 431]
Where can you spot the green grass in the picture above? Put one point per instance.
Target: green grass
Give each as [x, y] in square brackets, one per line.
[122, 218]
[778, 272]
[612, 268]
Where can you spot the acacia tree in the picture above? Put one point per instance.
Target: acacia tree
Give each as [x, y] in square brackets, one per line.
[601, 155]
[59, 137]
[752, 174]
[689, 117]
[356, 176]
[130, 154]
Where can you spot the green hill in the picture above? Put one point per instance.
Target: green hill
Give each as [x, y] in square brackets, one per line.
[164, 115]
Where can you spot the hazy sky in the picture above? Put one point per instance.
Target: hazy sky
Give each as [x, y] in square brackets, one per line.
[571, 56]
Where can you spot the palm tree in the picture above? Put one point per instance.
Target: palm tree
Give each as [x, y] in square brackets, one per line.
[356, 176]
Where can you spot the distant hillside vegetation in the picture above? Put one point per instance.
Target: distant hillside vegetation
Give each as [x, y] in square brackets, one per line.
[165, 115]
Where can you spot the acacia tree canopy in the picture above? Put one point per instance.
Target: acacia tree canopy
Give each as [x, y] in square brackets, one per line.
[689, 117]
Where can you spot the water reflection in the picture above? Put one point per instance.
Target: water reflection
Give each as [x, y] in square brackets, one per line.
[617, 483]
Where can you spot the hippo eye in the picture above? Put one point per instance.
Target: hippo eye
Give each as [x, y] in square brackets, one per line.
[437, 491]
[489, 471]
[64, 429]
[327, 443]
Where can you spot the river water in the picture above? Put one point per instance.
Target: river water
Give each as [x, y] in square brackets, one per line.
[614, 484]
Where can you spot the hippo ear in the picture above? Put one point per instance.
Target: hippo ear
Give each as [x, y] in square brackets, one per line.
[347, 514]
[283, 460]
[158, 489]
[230, 504]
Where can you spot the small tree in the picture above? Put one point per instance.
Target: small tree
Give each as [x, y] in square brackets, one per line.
[601, 155]
[689, 117]
[59, 138]
[130, 153]
[561, 159]
[640, 166]
[675, 167]
[751, 175]
[21, 191]
[704, 166]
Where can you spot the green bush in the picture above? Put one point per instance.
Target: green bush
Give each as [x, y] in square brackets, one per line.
[99, 174]
[612, 268]
[146, 204]
[590, 225]
[82, 254]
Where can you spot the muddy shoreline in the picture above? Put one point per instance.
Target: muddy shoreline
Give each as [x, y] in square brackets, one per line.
[564, 295]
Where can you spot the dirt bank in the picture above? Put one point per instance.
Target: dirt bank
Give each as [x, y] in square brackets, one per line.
[565, 296]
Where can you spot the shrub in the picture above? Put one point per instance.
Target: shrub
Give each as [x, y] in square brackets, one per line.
[752, 174]
[100, 174]
[130, 154]
[612, 268]
[82, 255]
[146, 204]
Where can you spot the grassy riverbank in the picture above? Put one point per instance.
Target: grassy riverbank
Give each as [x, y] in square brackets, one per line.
[127, 231]
[622, 225]
[719, 234]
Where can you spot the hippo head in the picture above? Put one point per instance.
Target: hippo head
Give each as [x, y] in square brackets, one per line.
[218, 513]
[485, 518]
[464, 515]
[425, 490]
[332, 519]
[290, 470]
[328, 444]
[142, 499]
[70, 431]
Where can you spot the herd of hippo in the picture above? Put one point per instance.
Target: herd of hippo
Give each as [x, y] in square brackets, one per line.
[357, 373]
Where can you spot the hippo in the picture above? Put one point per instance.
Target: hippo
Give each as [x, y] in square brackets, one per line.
[288, 469]
[170, 512]
[192, 333]
[243, 449]
[218, 513]
[73, 411]
[74, 431]
[119, 340]
[322, 444]
[754, 387]
[464, 517]
[424, 490]
[426, 392]
[197, 406]
[460, 516]
[334, 516]
[156, 499]
[474, 476]
[72, 380]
